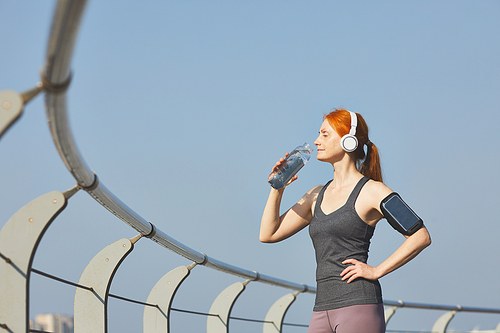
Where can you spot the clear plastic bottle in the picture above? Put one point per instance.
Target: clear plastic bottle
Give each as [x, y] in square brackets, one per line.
[292, 164]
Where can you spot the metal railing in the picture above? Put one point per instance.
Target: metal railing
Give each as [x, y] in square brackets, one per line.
[17, 246]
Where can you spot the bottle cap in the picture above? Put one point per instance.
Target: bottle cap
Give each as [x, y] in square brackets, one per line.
[307, 147]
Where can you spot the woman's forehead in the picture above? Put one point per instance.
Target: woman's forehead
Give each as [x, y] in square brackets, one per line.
[325, 127]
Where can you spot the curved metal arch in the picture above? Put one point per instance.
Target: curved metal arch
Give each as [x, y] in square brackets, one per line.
[276, 313]
[11, 108]
[19, 239]
[218, 321]
[12, 105]
[442, 323]
[90, 308]
[157, 319]
[56, 72]
[389, 312]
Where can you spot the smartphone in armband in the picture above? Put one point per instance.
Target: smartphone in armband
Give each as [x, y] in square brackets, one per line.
[399, 215]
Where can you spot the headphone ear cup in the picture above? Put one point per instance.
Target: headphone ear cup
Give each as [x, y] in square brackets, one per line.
[349, 143]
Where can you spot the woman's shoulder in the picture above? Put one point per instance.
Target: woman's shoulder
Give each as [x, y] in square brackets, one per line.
[311, 195]
[314, 192]
[377, 190]
[309, 199]
[369, 201]
[316, 189]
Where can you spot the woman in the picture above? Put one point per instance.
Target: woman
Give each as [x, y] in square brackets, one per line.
[341, 216]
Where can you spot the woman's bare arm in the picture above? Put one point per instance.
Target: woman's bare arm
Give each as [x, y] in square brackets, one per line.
[412, 246]
[275, 228]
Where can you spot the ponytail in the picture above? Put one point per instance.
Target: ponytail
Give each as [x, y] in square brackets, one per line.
[371, 164]
[367, 163]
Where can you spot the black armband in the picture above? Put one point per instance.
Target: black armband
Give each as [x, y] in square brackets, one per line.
[399, 215]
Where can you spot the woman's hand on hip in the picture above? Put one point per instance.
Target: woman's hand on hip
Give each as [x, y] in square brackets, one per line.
[358, 269]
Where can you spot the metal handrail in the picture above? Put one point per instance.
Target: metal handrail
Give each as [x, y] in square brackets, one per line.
[457, 308]
[56, 72]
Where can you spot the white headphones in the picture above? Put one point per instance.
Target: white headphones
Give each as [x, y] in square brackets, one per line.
[349, 142]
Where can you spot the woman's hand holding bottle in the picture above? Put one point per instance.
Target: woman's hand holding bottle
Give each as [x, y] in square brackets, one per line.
[276, 170]
[285, 170]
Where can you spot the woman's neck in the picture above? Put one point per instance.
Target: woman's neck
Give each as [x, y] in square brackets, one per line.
[345, 172]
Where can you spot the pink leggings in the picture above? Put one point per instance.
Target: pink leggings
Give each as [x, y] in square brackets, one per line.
[365, 318]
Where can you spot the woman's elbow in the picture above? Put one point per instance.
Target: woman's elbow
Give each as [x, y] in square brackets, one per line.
[421, 239]
[426, 238]
[266, 239]
[263, 239]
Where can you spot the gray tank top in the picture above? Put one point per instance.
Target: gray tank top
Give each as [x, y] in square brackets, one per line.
[336, 237]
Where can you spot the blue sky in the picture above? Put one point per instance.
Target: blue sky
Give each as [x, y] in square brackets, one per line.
[182, 108]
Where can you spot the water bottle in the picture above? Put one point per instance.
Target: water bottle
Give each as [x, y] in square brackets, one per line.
[292, 164]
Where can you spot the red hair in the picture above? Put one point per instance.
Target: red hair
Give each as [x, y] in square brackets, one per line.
[367, 163]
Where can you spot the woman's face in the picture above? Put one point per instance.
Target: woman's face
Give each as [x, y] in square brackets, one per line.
[328, 144]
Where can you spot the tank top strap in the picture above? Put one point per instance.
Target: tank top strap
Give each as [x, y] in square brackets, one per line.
[319, 199]
[355, 192]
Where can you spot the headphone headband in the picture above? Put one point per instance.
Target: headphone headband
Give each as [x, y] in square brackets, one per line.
[354, 123]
